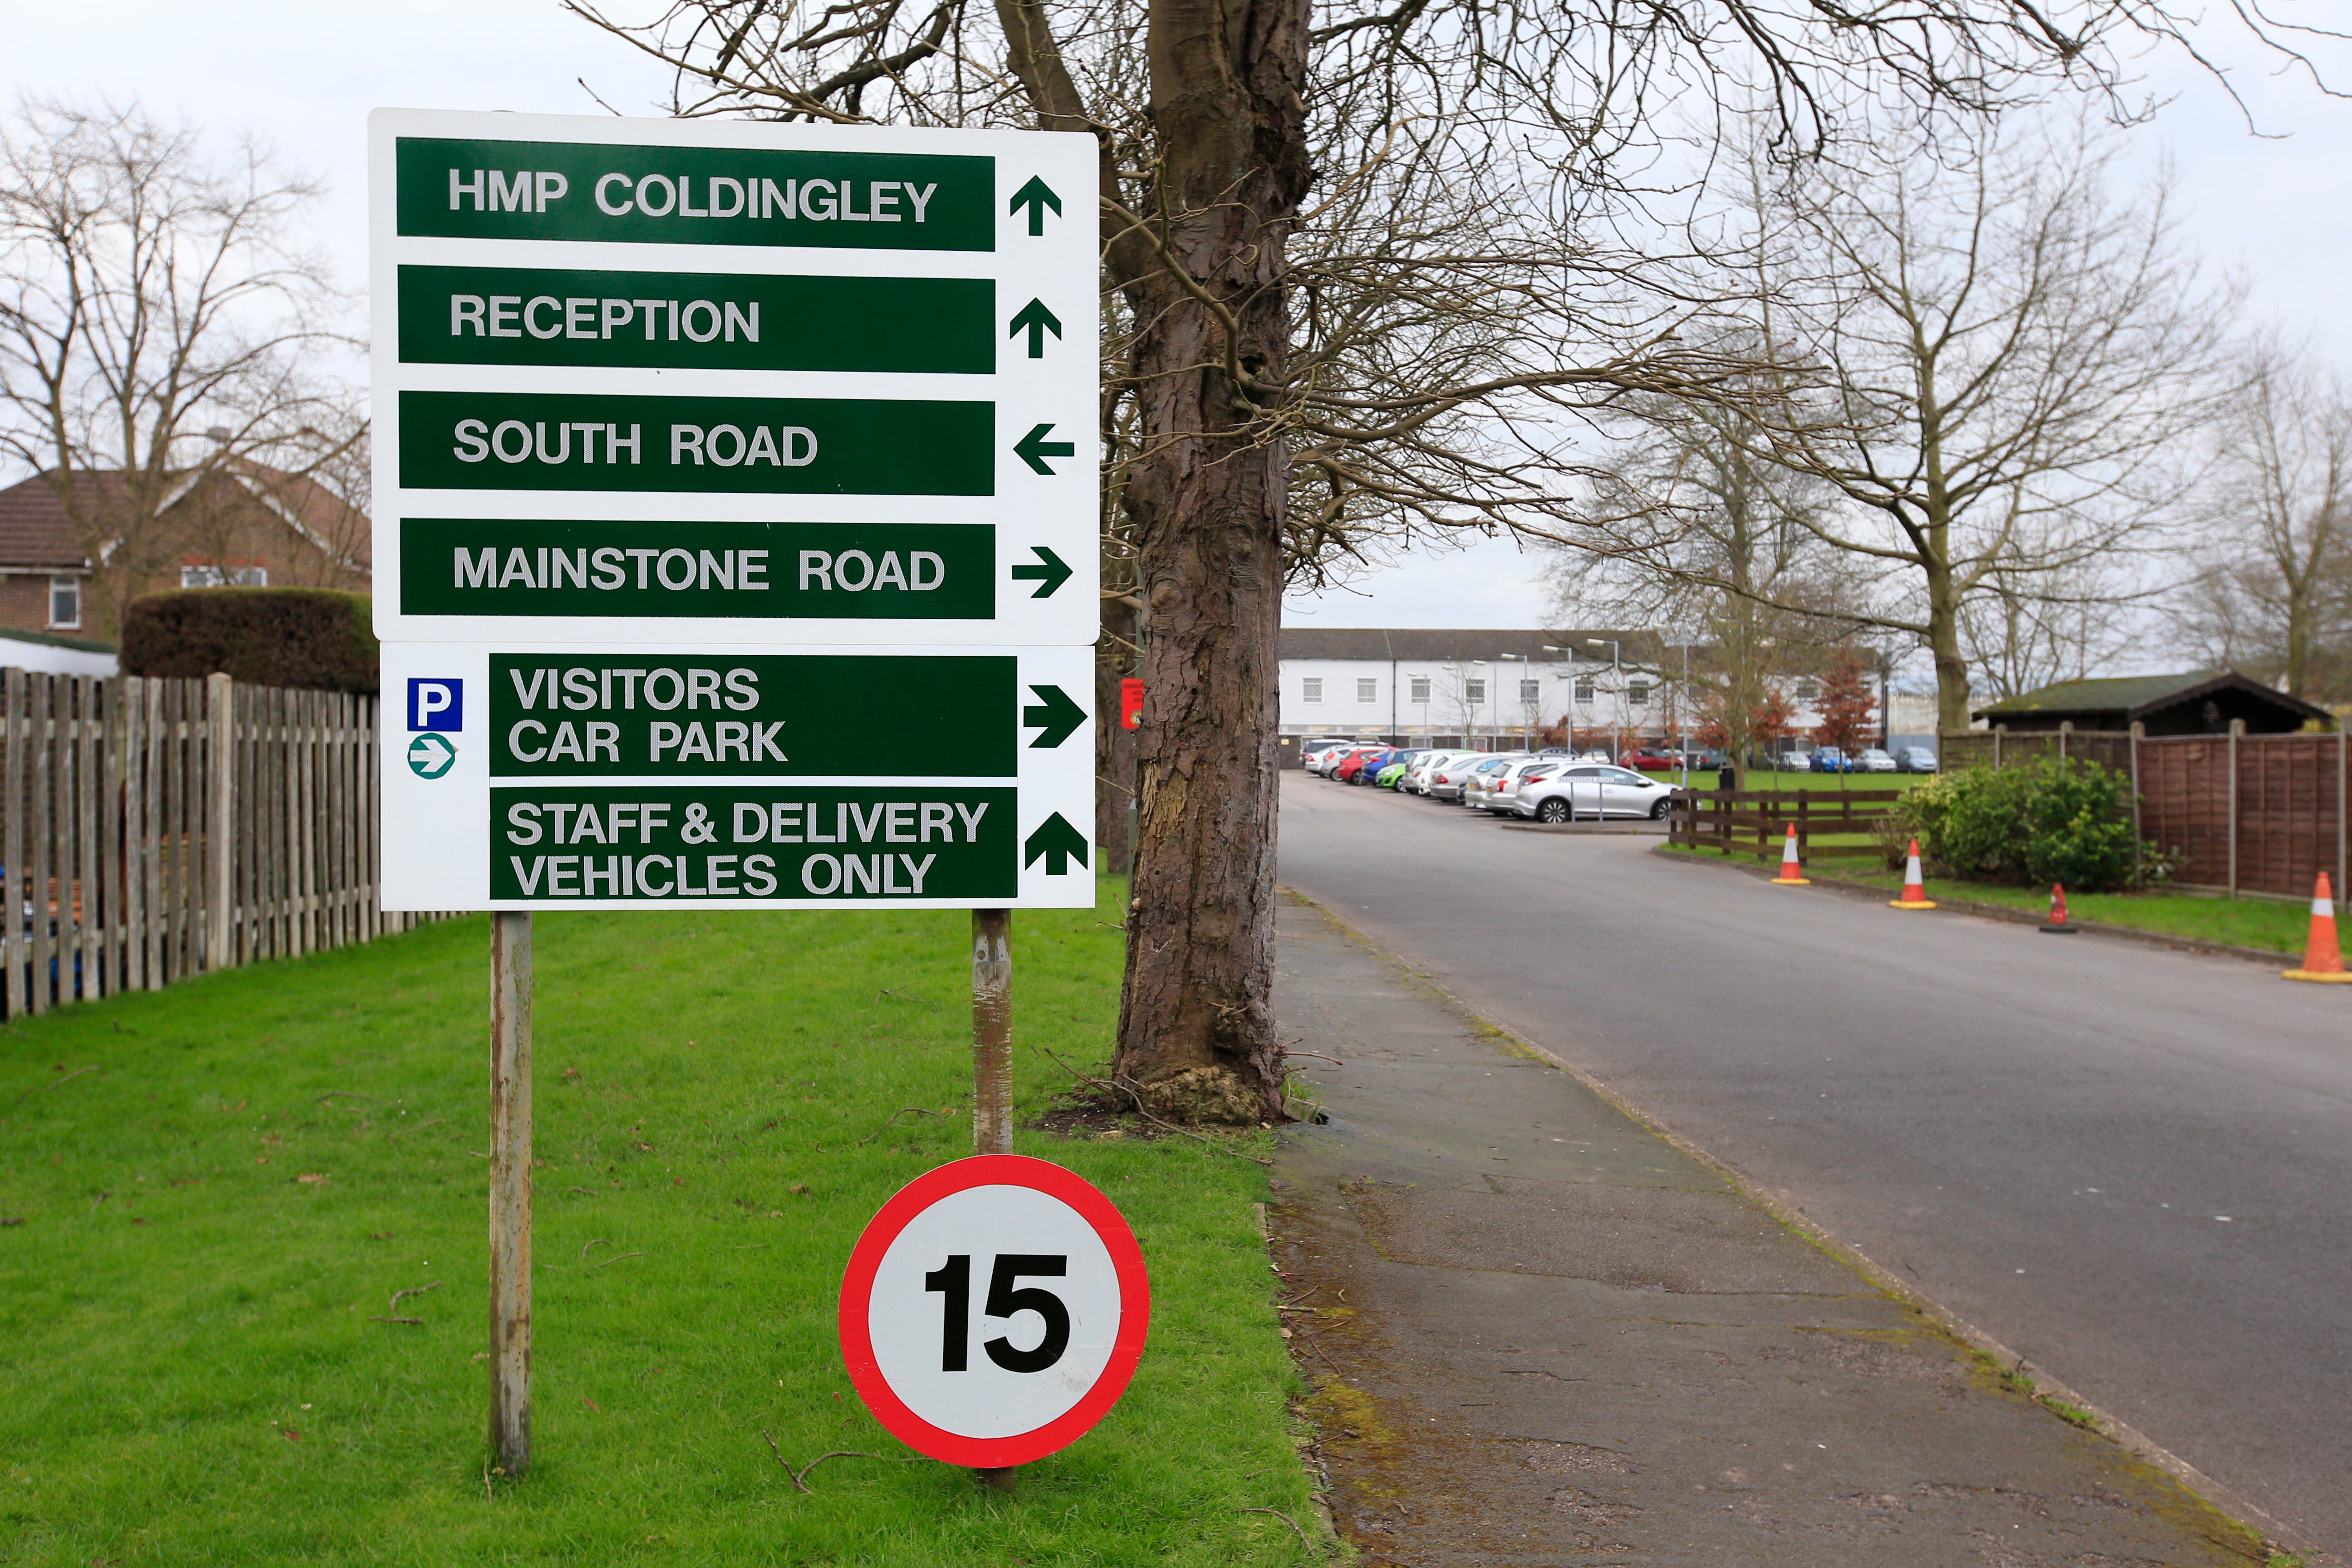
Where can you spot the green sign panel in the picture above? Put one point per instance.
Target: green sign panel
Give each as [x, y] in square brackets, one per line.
[748, 445]
[702, 320]
[652, 843]
[694, 195]
[764, 715]
[713, 571]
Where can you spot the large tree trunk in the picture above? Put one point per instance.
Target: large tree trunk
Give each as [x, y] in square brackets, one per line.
[1944, 647]
[1196, 1029]
[1114, 746]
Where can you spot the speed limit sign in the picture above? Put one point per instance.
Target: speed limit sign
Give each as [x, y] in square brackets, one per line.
[994, 1311]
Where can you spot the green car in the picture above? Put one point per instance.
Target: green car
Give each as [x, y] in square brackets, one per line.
[1389, 776]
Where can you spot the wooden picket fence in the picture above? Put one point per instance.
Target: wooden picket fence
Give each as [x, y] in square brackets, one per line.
[1756, 822]
[154, 829]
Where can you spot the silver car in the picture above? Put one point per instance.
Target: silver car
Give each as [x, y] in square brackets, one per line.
[1589, 790]
[1446, 779]
[1483, 775]
[1501, 795]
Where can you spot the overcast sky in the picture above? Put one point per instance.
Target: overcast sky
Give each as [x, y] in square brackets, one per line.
[303, 76]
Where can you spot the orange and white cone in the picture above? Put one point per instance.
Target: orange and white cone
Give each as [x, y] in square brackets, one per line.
[2056, 924]
[1792, 871]
[2323, 959]
[1915, 886]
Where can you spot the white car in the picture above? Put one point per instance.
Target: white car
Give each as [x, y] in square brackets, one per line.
[1502, 793]
[1445, 780]
[1417, 776]
[1874, 761]
[1589, 789]
[1483, 775]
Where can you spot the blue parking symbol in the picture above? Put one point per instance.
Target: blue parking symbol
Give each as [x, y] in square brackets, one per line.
[437, 705]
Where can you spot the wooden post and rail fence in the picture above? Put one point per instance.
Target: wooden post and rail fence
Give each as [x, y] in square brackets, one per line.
[1755, 823]
[153, 829]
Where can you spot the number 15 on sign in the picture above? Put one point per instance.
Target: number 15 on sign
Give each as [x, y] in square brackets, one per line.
[994, 1311]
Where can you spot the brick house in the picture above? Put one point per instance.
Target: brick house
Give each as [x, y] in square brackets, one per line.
[239, 524]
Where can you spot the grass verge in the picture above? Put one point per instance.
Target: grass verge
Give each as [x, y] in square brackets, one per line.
[205, 1232]
[2257, 923]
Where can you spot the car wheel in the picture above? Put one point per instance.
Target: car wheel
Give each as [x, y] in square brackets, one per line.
[1552, 810]
[1658, 812]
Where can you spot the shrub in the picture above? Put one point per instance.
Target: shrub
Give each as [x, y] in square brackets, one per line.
[2049, 821]
[307, 637]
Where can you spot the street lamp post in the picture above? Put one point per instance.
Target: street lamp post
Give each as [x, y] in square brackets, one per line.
[1616, 695]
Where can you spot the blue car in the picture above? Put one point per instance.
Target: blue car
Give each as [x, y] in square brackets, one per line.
[1830, 760]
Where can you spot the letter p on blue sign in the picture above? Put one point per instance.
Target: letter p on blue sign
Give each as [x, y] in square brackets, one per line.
[437, 705]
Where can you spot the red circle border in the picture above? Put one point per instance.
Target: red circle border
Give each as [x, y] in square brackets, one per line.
[961, 1176]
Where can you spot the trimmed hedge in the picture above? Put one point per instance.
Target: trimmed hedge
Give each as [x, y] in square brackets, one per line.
[310, 639]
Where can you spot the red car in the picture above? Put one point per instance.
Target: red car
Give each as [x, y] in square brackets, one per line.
[1647, 762]
[1349, 767]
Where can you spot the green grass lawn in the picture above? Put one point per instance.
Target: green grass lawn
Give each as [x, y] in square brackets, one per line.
[202, 1230]
[2236, 923]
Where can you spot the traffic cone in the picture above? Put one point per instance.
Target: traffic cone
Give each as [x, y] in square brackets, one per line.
[1792, 871]
[2056, 924]
[2323, 960]
[1915, 886]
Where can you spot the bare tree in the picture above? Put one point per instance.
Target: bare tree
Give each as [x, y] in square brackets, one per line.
[1692, 527]
[2273, 593]
[1415, 348]
[148, 295]
[2002, 356]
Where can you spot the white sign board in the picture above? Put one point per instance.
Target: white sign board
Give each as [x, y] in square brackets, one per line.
[735, 512]
[994, 1311]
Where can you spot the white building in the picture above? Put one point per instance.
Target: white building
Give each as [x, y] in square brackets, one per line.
[1440, 685]
[1481, 687]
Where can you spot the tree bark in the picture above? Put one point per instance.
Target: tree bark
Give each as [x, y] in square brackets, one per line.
[1196, 1027]
[1114, 745]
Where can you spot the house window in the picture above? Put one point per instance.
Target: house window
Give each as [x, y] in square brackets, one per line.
[224, 576]
[1584, 689]
[1637, 692]
[1807, 691]
[1420, 688]
[1474, 691]
[65, 604]
[1368, 690]
[1311, 689]
[1530, 691]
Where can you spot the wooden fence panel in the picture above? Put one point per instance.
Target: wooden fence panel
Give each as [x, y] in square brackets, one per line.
[152, 829]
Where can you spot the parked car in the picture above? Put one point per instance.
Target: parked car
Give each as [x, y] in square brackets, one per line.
[1644, 760]
[1829, 759]
[1390, 776]
[1502, 794]
[1445, 782]
[1345, 771]
[1874, 761]
[1369, 769]
[1425, 763]
[1483, 775]
[1586, 788]
[1316, 750]
[1915, 760]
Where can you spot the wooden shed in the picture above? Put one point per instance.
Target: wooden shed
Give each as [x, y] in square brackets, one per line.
[2200, 702]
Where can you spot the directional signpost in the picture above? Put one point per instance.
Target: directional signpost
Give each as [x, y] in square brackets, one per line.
[735, 544]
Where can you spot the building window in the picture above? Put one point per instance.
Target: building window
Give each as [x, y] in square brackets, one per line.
[224, 576]
[1530, 691]
[1584, 689]
[1311, 689]
[1368, 690]
[1420, 688]
[1807, 691]
[65, 604]
[1637, 692]
[1474, 691]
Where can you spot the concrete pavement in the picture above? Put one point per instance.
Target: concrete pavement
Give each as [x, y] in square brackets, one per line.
[2132, 1165]
[1543, 1335]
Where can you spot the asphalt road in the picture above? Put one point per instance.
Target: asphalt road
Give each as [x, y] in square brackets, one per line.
[2132, 1165]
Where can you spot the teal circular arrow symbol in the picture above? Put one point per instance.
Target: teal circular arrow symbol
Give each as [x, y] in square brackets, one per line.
[430, 756]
